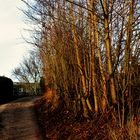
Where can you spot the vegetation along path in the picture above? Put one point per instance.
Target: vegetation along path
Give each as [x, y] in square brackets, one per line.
[18, 120]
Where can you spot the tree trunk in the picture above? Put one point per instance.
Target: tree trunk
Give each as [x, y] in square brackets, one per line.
[107, 43]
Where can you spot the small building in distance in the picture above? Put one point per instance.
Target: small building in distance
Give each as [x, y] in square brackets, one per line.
[26, 89]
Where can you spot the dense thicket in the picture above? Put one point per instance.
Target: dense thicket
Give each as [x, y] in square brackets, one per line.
[6, 89]
[90, 50]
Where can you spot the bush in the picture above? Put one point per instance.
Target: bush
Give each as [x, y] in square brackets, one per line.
[6, 89]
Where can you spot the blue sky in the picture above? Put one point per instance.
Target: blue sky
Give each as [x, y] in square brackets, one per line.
[12, 46]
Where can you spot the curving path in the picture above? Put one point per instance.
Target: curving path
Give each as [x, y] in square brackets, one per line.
[18, 120]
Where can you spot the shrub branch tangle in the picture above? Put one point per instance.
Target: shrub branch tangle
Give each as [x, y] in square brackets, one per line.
[90, 50]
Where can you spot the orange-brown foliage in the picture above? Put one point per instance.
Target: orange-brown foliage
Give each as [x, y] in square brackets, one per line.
[52, 97]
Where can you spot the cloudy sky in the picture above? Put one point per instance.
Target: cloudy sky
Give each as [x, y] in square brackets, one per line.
[12, 46]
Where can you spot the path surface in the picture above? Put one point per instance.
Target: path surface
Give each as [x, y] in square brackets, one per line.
[18, 120]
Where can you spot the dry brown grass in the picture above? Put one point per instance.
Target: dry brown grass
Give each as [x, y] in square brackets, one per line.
[128, 132]
[60, 124]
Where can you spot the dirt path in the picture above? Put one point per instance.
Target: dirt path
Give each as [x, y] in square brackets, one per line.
[18, 120]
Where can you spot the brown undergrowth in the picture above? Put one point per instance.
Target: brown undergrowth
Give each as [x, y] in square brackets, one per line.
[60, 124]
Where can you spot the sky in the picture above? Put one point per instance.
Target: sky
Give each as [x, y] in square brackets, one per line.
[12, 27]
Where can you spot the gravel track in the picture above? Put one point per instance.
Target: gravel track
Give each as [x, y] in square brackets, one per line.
[18, 120]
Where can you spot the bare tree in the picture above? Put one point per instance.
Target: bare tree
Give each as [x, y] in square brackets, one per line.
[30, 70]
